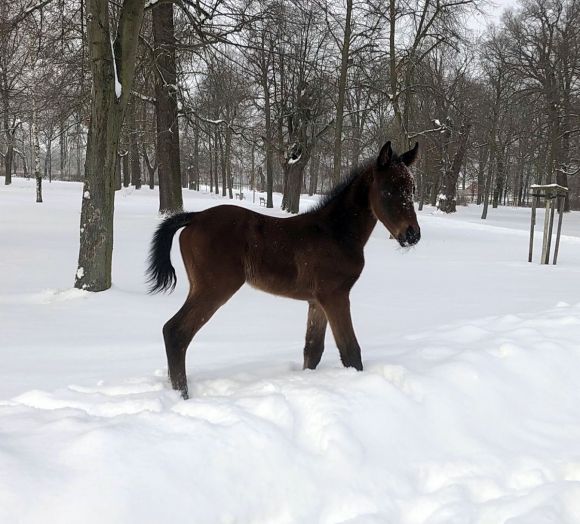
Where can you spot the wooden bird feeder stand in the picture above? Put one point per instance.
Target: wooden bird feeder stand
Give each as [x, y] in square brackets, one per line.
[555, 196]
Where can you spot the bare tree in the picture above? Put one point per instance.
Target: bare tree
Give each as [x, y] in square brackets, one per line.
[113, 67]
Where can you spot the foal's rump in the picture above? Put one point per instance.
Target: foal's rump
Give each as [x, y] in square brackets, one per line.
[212, 242]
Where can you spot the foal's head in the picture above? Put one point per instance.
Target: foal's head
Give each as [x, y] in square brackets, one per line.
[391, 194]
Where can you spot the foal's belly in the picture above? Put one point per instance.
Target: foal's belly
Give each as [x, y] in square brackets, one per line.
[279, 276]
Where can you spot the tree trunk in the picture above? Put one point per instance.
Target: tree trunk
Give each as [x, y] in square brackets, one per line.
[448, 201]
[9, 131]
[228, 159]
[499, 181]
[48, 159]
[483, 154]
[269, 135]
[194, 180]
[222, 164]
[134, 147]
[487, 189]
[215, 164]
[168, 161]
[126, 171]
[36, 148]
[63, 150]
[112, 83]
[314, 170]
[211, 166]
[8, 159]
[150, 168]
[118, 173]
[294, 173]
[337, 166]
[79, 153]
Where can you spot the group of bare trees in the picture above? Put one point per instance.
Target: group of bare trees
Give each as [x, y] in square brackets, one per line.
[284, 95]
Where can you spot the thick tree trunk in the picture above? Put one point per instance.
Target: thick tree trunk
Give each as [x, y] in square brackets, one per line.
[8, 160]
[168, 161]
[448, 199]
[112, 83]
[294, 173]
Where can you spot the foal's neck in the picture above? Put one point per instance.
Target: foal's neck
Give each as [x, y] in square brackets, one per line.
[349, 212]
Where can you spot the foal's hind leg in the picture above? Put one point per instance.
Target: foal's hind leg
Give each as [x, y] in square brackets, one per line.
[178, 332]
[315, 331]
[337, 309]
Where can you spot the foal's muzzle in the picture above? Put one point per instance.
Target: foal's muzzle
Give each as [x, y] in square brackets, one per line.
[410, 237]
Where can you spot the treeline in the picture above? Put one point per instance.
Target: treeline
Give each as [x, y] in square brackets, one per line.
[289, 95]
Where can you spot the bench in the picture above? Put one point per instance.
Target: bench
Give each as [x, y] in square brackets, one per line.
[262, 201]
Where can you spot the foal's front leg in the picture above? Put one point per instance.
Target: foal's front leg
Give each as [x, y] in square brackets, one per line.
[337, 309]
[315, 331]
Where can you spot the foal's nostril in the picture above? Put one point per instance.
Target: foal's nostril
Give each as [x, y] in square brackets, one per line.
[413, 236]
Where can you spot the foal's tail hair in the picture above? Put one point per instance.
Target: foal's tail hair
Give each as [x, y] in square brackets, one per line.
[161, 273]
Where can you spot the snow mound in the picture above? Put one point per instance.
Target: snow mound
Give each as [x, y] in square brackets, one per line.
[467, 423]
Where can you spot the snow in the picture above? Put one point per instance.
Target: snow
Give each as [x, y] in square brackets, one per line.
[467, 411]
[294, 160]
[118, 86]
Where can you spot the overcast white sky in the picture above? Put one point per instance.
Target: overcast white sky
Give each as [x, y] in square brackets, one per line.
[494, 10]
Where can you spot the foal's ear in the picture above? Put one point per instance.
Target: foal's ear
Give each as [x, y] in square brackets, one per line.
[410, 156]
[385, 155]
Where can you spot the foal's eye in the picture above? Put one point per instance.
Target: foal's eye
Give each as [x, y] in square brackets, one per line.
[385, 193]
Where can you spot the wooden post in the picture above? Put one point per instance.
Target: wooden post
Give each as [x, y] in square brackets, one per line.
[550, 192]
[545, 254]
[534, 204]
[561, 201]
[553, 203]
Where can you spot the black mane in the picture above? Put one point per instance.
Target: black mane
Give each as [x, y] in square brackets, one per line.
[341, 188]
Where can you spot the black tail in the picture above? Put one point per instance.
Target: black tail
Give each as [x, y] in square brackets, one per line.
[161, 273]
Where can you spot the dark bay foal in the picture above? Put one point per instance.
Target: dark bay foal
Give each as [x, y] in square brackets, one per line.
[316, 256]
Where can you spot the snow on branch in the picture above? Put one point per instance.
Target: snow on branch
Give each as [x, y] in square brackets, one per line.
[118, 86]
[564, 171]
[143, 97]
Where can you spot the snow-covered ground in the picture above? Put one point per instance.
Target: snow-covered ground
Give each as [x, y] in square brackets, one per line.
[468, 410]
